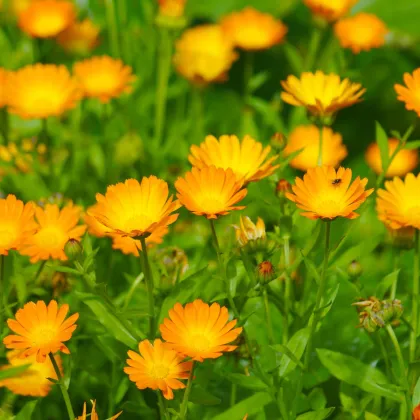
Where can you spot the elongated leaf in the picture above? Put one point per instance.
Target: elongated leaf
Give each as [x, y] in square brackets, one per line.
[382, 141]
[416, 394]
[27, 410]
[415, 144]
[258, 80]
[200, 396]
[354, 372]
[281, 348]
[14, 371]
[250, 382]
[294, 57]
[296, 345]
[386, 283]
[317, 415]
[310, 266]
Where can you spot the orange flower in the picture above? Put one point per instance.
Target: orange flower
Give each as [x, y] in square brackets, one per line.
[330, 9]
[361, 32]
[210, 191]
[94, 414]
[172, 8]
[410, 94]
[250, 29]
[46, 18]
[306, 137]
[41, 91]
[33, 381]
[416, 412]
[94, 227]
[40, 329]
[204, 54]
[79, 38]
[17, 223]
[55, 228]
[325, 193]
[104, 77]
[157, 367]
[404, 161]
[3, 83]
[199, 330]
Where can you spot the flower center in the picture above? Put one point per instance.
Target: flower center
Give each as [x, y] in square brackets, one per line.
[211, 205]
[159, 371]
[413, 215]
[138, 222]
[7, 236]
[49, 23]
[101, 82]
[328, 208]
[43, 335]
[51, 238]
[200, 342]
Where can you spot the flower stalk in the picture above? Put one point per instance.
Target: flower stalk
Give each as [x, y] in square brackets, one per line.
[184, 404]
[268, 315]
[288, 287]
[415, 297]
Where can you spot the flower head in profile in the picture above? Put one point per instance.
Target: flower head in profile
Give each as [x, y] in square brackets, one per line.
[172, 8]
[80, 37]
[398, 205]
[326, 193]
[410, 93]
[93, 413]
[157, 367]
[321, 94]
[136, 208]
[330, 9]
[3, 83]
[210, 191]
[55, 228]
[199, 330]
[248, 159]
[361, 32]
[403, 162]
[307, 137]
[204, 54]
[247, 231]
[17, 223]
[33, 381]
[41, 91]
[46, 18]
[252, 30]
[104, 77]
[40, 329]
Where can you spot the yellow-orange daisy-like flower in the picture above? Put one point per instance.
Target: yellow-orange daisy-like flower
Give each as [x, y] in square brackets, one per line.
[361, 32]
[157, 367]
[55, 228]
[41, 91]
[307, 137]
[172, 8]
[210, 191]
[46, 18]
[326, 193]
[410, 94]
[204, 54]
[199, 330]
[104, 77]
[34, 380]
[247, 159]
[249, 231]
[79, 38]
[41, 329]
[402, 163]
[94, 227]
[93, 413]
[3, 83]
[330, 9]
[252, 30]
[17, 223]
[398, 205]
[136, 208]
[322, 94]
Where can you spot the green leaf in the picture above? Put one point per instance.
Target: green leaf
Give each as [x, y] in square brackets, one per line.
[310, 266]
[416, 394]
[245, 381]
[14, 371]
[317, 415]
[294, 57]
[371, 416]
[250, 406]
[296, 345]
[385, 284]
[281, 348]
[382, 141]
[27, 410]
[415, 144]
[200, 396]
[258, 80]
[63, 269]
[97, 159]
[354, 372]
[289, 158]
[317, 399]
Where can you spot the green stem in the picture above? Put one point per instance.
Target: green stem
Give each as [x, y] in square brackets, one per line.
[2, 294]
[163, 73]
[233, 395]
[288, 287]
[248, 73]
[396, 265]
[39, 271]
[385, 356]
[162, 407]
[268, 315]
[112, 27]
[64, 391]
[4, 125]
[184, 405]
[148, 276]
[313, 48]
[321, 134]
[415, 298]
[125, 35]
[197, 105]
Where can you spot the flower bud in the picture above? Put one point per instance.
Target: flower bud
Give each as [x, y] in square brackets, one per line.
[282, 187]
[73, 249]
[129, 149]
[265, 272]
[278, 142]
[354, 269]
[171, 262]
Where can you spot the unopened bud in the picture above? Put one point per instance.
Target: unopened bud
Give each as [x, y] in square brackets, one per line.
[282, 187]
[278, 142]
[73, 249]
[354, 269]
[265, 272]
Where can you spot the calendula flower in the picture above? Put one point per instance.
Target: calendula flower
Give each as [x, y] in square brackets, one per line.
[323, 95]
[416, 412]
[402, 163]
[40, 329]
[361, 32]
[93, 413]
[136, 209]
[204, 54]
[46, 18]
[55, 228]
[17, 223]
[307, 137]
[330, 9]
[104, 77]
[326, 193]
[3, 83]
[398, 205]
[210, 191]
[172, 8]
[80, 37]
[94, 226]
[41, 91]
[252, 30]
[199, 330]
[410, 94]
[157, 367]
[248, 231]
[247, 159]
[34, 380]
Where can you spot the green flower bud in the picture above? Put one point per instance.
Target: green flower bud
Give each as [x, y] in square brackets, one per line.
[73, 249]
